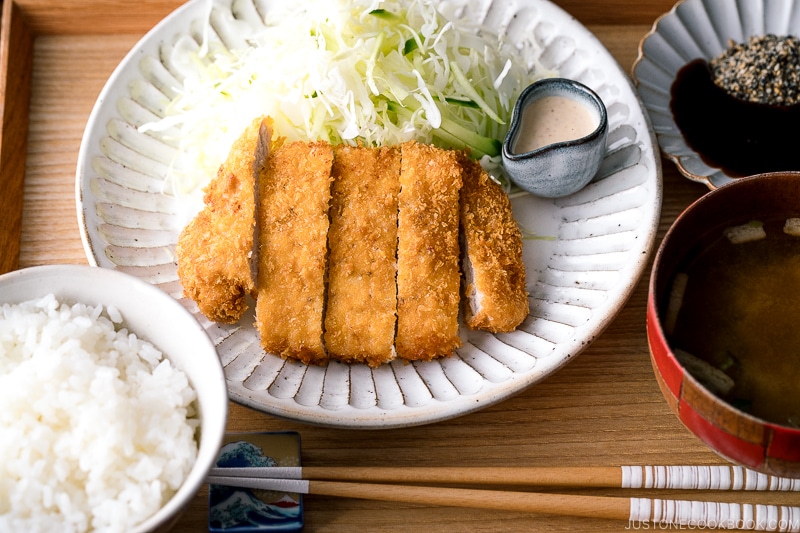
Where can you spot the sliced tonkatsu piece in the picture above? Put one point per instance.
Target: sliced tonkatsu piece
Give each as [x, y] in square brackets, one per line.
[215, 250]
[495, 298]
[428, 277]
[361, 308]
[293, 215]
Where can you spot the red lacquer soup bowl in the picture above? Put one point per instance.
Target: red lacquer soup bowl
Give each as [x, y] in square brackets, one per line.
[723, 315]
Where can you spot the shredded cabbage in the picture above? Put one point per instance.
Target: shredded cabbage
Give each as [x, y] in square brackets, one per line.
[376, 72]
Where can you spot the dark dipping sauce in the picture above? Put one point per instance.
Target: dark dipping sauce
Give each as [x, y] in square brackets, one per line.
[741, 138]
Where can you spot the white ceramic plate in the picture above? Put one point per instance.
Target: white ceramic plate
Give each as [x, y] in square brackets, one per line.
[695, 29]
[578, 280]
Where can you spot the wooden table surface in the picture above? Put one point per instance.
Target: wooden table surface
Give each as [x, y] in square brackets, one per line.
[604, 408]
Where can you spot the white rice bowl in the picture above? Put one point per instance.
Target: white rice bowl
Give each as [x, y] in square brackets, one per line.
[99, 431]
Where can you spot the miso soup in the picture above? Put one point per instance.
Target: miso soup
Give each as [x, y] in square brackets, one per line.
[736, 325]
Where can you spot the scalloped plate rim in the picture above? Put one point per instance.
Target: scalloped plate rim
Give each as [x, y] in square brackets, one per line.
[435, 410]
[679, 160]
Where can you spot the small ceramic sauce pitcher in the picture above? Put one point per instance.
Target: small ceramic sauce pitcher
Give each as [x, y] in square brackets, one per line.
[572, 122]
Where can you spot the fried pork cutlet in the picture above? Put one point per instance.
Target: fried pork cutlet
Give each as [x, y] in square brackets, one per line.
[215, 250]
[362, 299]
[428, 277]
[295, 190]
[495, 298]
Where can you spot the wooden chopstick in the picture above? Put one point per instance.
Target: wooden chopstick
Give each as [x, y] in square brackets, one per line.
[721, 477]
[636, 510]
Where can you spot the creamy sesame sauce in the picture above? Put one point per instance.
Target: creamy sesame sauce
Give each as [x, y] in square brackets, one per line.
[551, 120]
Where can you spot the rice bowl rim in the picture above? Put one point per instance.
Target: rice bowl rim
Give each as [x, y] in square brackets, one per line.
[154, 316]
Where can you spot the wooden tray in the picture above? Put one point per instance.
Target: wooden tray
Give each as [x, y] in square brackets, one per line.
[23, 21]
[602, 409]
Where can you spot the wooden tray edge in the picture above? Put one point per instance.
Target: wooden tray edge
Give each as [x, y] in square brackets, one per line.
[96, 17]
[21, 21]
[16, 60]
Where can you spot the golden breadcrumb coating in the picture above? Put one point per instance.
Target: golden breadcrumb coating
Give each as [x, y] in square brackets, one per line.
[495, 298]
[215, 250]
[362, 298]
[354, 253]
[295, 191]
[428, 277]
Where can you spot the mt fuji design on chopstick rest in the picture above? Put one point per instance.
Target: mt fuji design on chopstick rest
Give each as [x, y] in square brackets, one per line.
[243, 510]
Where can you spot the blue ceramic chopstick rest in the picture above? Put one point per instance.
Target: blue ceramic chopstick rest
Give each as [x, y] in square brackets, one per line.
[241, 510]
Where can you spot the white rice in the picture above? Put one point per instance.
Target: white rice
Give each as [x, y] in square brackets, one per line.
[97, 429]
